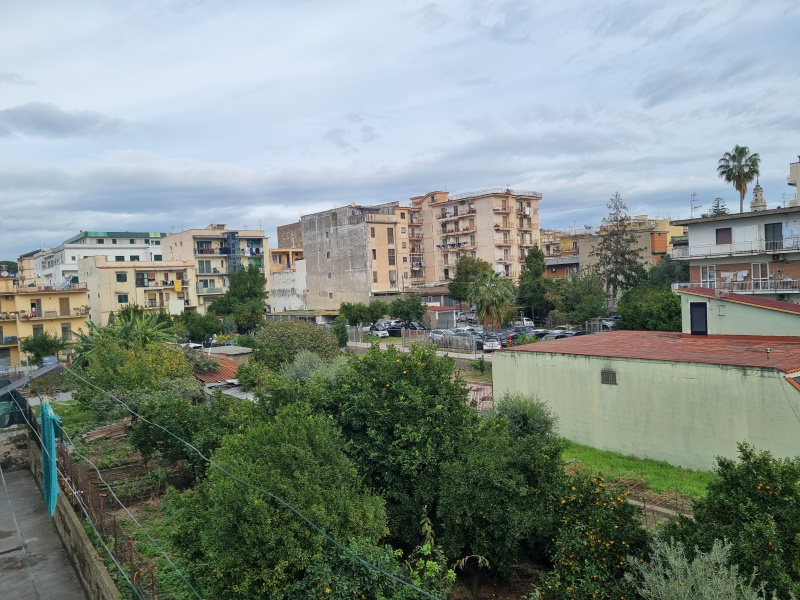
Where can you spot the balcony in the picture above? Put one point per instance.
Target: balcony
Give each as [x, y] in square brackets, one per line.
[205, 251]
[759, 286]
[741, 248]
[502, 226]
[502, 242]
[204, 291]
[501, 209]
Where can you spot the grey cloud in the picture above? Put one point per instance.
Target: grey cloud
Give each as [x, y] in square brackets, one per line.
[337, 137]
[14, 79]
[43, 120]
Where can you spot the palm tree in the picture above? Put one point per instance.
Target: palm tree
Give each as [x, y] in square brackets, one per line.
[129, 331]
[739, 168]
[493, 297]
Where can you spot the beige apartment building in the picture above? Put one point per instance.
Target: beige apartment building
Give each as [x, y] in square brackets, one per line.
[496, 225]
[356, 252]
[216, 252]
[155, 286]
[26, 311]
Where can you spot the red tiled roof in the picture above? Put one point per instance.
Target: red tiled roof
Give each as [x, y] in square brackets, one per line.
[750, 300]
[227, 370]
[743, 351]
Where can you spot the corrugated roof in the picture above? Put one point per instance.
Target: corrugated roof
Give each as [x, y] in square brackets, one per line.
[743, 351]
[227, 370]
[750, 300]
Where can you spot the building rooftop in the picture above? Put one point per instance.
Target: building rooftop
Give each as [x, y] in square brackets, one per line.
[742, 351]
[749, 300]
[226, 371]
[743, 215]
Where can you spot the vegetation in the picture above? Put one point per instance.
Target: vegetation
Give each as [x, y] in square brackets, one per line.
[468, 269]
[493, 297]
[365, 314]
[339, 329]
[407, 308]
[668, 271]
[618, 262]
[279, 340]
[43, 344]
[658, 475]
[245, 299]
[200, 362]
[648, 308]
[200, 328]
[718, 209]
[532, 286]
[739, 168]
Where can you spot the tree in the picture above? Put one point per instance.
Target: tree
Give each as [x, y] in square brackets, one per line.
[668, 271]
[236, 541]
[718, 209]
[200, 328]
[493, 297]
[407, 308]
[43, 344]
[648, 308]
[467, 269]
[279, 340]
[245, 298]
[532, 286]
[739, 168]
[618, 261]
[359, 313]
[339, 329]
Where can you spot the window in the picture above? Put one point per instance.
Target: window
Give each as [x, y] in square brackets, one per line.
[122, 298]
[114, 241]
[391, 257]
[405, 260]
[204, 266]
[157, 257]
[134, 257]
[66, 332]
[708, 277]
[390, 235]
[404, 245]
[392, 278]
[119, 258]
[372, 232]
[38, 330]
[101, 241]
[276, 259]
[374, 254]
[134, 241]
[329, 274]
[761, 276]
[608, 377]
[402, 230]
[206, 283]
[773, 236]
[327, 255]
[330, 295]
[73, 259]
[724, 235]
[402, 215]
[327, 234]
[122, 277]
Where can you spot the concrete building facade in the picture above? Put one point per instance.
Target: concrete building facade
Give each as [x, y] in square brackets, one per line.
[290, 236]
[216, 252]
[155, 286]
[287, 280]
[495, 225]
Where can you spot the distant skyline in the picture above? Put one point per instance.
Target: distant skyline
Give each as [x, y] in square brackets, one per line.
[163, 116]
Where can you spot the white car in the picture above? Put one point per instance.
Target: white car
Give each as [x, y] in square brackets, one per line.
[379, 330]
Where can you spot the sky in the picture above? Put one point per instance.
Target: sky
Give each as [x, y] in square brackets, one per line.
[168, 115]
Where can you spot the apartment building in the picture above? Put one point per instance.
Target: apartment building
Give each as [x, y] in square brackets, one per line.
[290, 236]
[26, 311]
[216, 252]
[155, 286]
[55, 266]
[356, 252]
[496, 225]
[26, 269]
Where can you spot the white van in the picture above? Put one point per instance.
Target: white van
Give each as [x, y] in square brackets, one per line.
[523, 322]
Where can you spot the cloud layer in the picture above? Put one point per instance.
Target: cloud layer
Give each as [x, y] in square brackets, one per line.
[157, 116]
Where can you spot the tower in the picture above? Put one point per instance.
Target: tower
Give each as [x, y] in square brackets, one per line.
[758, 202]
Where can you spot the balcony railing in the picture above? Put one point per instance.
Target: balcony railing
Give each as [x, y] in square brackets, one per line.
[208, 290]
[759, 286]
[751, 247]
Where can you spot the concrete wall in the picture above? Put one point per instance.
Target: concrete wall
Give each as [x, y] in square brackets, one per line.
[683, 413]
[91, 570]
[14, 442]
[731, 318]
[288, 289]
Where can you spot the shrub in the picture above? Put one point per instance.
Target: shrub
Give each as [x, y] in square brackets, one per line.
[670, 575]
[481, 365]
[279, 341]
[526, 415]
[339, 329]
[200, 362]
[307, 364]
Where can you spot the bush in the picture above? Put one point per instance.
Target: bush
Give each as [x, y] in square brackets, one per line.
[481, 365]
[755, 506]
[556, 317]
[670, 575]
[339, 329]
[527, 415]
[200, 362]
[307, 364]
[279, 341]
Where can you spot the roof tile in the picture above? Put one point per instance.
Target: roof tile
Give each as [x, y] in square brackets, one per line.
[227, 370]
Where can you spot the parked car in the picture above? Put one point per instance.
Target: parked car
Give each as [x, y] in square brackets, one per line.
[491, 342]
[379, 329]
[3, 372]
[472, 334]
[522, 322]
[507, 337]
[46, 361]
[468, 329]
[439, 336]
[414, 326]
[555, 335]
[609, 323]
[575, 332]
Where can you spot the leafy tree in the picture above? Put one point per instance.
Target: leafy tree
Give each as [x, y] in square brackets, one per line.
[43, 344]
[229, 325]
[200, 362]
[718, 209]
[526, 415]
[407, 308]
[467, 270]
[355, 313]
[403, 415]
[493, 297]
[670, 575]
[532, 285]
[648, 308]
[617, 256]
[668, 271]
[307, 364]
[245, 299]
[279, 340]
[238, 542]
[755, 506]
[200, 328]
[739, 168]
[584, 297]
[339, 329]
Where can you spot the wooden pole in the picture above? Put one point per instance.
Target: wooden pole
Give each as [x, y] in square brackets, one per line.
[133, 576]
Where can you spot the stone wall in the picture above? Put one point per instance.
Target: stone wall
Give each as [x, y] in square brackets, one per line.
[14, 442]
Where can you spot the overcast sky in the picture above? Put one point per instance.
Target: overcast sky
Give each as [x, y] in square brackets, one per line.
[163, 115]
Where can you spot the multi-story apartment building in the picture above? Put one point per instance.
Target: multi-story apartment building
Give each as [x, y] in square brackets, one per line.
[217, 252]
[355, 252]
[55, 266]
[290, 236]
[756, 252]
[496, 225]
[155, 286]
[26, 311]
[26, 269]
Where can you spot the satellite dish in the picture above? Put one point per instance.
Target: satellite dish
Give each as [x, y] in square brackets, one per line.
[3, 273]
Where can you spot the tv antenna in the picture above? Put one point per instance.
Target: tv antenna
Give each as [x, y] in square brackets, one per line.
[695, 205]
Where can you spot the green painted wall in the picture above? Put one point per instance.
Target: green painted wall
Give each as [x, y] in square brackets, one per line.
[730, 318]
[684, 413]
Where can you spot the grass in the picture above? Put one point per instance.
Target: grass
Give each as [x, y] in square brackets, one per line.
[471, 375]
[659, 475]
